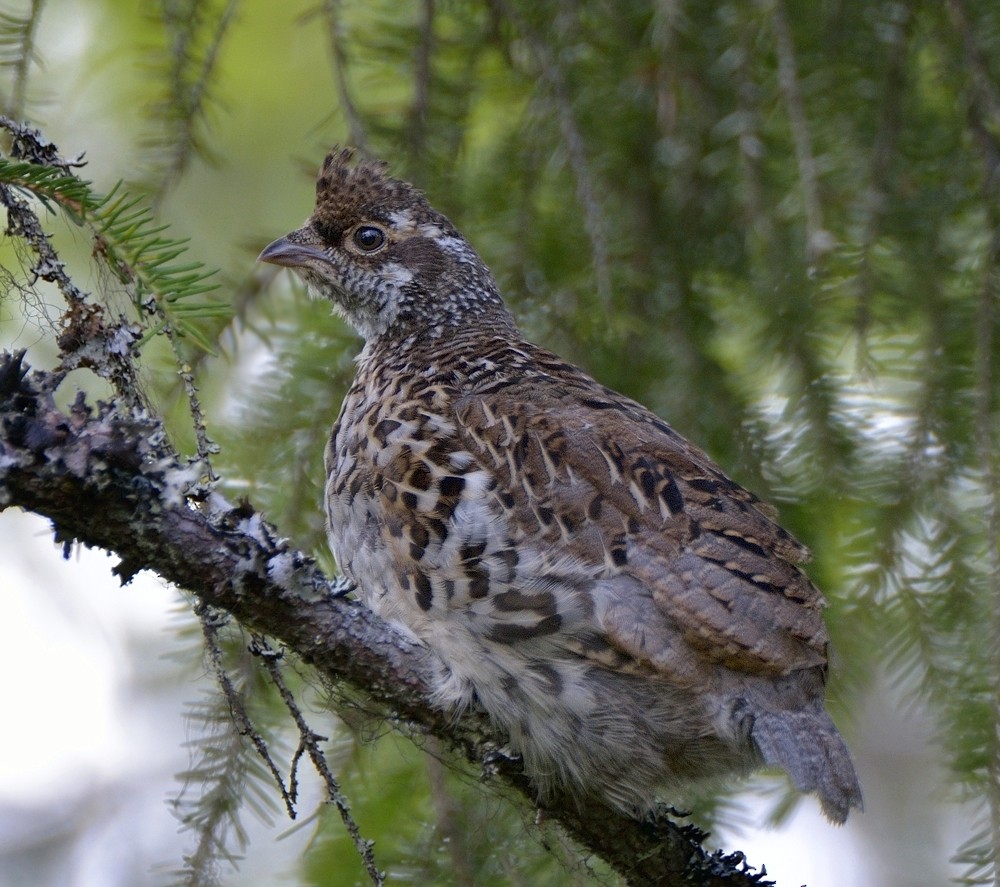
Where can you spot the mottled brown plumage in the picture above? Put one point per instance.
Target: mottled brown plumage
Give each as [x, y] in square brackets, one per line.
[629, 615]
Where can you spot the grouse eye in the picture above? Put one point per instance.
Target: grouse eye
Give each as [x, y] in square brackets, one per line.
[368, 238]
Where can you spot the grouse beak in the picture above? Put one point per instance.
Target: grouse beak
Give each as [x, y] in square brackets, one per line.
[289, 254]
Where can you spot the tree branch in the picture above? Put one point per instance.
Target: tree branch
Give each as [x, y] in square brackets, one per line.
[107, 476]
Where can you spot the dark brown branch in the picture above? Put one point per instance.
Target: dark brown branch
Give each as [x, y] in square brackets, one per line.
[108, 478]
[309, 743]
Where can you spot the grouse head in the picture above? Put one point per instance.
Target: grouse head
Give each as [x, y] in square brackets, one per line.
[391, 265]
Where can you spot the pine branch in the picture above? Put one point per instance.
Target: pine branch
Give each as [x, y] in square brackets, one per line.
[573, 139]
[218, 775]
[332, 14]
[874, 197]
[195, 33]
[420, 109]
[17, 51]
[984, 121]
[128, 242]
[818, 239]
[107, 478]
[127, 239]
[211, 622]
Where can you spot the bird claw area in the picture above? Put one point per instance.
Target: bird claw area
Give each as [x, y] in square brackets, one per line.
[663, 811]
[662, 817]
[341, 587]
[496, 759]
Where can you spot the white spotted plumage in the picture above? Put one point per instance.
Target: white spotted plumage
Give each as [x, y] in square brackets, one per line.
[628, 615]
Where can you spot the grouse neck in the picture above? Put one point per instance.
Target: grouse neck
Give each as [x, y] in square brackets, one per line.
[462, 350]
[449, 333]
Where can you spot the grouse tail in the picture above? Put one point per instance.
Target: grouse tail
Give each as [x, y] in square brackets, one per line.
[809, 747]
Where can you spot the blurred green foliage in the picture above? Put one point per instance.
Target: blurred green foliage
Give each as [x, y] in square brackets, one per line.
[774, 222]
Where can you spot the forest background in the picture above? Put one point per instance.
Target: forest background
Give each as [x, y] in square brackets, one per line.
[776, 223]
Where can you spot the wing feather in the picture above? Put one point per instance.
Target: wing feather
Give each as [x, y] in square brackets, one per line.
[691, 561]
